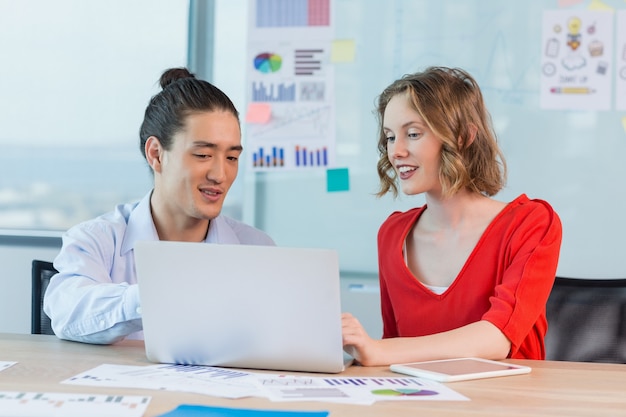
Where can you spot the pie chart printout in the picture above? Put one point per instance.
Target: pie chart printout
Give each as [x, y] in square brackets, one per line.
[268, 62]
[403, 392]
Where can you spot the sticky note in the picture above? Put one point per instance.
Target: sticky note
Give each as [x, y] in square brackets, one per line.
[342, 50]
[599, 6]
[624, 123]
[567, 3]
[259, 113]
[337, 179]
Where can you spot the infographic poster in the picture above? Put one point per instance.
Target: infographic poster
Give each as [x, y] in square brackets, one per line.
[577, 60]
[620, 60]
[290, 81]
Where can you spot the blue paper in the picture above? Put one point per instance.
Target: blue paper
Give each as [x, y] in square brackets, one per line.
[186, 410]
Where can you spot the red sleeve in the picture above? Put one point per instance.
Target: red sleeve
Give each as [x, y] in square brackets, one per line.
[531, 254]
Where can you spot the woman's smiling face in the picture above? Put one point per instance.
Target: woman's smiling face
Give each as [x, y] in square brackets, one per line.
[412, 148]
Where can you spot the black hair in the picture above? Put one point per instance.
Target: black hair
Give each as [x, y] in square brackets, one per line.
[182, 94]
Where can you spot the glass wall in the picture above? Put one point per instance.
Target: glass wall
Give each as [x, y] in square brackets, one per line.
[75, 79]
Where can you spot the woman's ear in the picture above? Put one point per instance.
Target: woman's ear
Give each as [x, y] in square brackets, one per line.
[473, 131]
[154, 153]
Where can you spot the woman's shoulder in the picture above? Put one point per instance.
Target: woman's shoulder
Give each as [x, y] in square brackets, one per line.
[523, 205]
[404, 215]
[533, 214]
[398, 221]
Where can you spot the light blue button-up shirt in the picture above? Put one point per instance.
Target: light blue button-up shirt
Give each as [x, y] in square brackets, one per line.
[94, 298]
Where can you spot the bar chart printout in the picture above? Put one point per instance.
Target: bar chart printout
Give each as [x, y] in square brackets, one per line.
[272, 13]
[273, 92]
[302, 157]
[270, 157]
[36, 404]
[311, 157]
[356, 390]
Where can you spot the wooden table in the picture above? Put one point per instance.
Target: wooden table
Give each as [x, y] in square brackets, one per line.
[551, 389]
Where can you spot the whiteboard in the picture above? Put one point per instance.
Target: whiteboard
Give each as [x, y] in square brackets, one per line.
[573, 159]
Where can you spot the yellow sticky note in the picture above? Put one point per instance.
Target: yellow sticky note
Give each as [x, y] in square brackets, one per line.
[259, 113]
[342, 50]
[599, 6]
[624, 123]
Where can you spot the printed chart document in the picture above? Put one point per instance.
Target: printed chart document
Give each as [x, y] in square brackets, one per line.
[224, 382]
[219, 382]
[38, 404]
[354, 390]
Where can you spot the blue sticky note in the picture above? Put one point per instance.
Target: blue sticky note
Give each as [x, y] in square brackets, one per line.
[337, 179]
[187, 410]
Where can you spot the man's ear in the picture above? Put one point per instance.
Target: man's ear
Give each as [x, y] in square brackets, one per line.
[154, 153]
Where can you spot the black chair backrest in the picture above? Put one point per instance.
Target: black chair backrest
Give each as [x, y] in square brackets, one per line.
[587, 320]
[42, 271]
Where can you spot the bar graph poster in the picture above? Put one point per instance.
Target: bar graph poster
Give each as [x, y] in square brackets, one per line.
[620, 90]
[289, 70]
[576, 60]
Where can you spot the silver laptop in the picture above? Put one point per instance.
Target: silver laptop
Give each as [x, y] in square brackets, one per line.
[261, 307]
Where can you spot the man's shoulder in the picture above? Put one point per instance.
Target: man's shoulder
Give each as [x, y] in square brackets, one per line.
[116, 219]
[246, 233]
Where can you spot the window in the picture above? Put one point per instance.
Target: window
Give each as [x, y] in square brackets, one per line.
[75, 80]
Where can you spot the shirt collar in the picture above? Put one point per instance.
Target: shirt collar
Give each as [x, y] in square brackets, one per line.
[221, 232]
[141, 227]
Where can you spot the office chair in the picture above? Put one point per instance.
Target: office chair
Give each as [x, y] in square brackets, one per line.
[42, 271]
[587, 320]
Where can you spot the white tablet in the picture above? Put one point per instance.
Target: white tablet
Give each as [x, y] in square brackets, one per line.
[460, 369]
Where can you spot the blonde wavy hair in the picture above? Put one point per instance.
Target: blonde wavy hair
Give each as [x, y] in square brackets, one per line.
[450, 102]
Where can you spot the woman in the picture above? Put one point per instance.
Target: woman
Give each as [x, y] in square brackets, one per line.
[191, 139]
[464, 275]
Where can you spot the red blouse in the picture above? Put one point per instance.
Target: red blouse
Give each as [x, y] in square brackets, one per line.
[506, 280]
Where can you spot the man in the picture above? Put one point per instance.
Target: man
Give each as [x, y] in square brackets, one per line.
[191, 140]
